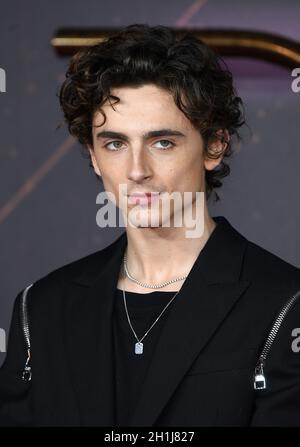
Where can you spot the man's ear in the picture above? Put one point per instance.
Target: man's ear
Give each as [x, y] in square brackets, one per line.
[93, 160]
[216, 147]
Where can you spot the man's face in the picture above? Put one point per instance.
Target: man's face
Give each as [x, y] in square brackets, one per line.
[166, 162]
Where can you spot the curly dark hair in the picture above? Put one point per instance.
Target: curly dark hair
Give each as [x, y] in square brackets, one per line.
[180, 63]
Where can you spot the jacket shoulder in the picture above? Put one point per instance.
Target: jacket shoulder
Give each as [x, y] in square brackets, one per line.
[52, 285]
[263, 262]
[273, 280]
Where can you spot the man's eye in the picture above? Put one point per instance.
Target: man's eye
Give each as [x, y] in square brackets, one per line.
[116, 145]
[165, 146]
[113, 148]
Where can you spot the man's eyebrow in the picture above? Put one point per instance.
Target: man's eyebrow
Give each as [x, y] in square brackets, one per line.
[146, 136]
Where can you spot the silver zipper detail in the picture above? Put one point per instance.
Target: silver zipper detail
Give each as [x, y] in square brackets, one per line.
[26, 374]
[259, 377]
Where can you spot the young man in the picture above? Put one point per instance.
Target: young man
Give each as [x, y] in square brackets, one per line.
[162, 327]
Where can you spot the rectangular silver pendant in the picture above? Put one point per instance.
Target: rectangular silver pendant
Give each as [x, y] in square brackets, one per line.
[138, 348]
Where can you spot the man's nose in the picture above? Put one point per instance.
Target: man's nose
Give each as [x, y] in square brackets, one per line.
[138, 165]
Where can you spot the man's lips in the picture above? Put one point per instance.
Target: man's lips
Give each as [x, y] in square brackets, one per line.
[143, 198]
[138, 194]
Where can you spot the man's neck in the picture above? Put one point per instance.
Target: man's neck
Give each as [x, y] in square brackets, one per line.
[157, 255]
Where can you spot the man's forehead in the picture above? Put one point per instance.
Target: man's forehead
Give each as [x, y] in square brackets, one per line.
[141, 108]
[141, 120]
[143, 129]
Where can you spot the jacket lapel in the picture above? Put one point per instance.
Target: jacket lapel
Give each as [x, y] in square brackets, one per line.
[89, 341]
[191, 323]
[211, 289]
[206, 297]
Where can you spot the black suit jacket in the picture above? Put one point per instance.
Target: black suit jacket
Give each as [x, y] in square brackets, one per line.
[202, 369]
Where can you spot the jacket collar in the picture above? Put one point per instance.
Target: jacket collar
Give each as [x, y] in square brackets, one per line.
[224, 244]
[211, 289]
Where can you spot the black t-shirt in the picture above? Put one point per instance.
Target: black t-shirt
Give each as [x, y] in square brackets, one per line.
[131, 368]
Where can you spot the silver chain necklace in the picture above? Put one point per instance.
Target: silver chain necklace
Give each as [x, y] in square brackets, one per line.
[149, 286]
[139, 346]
